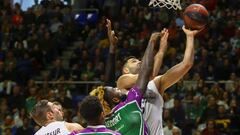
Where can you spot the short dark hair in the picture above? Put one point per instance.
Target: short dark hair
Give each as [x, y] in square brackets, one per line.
[38, 112]
[91, 108]
[125, 60]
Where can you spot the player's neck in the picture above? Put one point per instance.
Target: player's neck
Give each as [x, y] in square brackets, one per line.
[48, 122]
[96, 123]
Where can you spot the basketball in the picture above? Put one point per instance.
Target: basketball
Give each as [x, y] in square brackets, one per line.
[195, 17]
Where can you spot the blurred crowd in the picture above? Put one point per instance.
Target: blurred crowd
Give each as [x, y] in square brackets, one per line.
[34, 39]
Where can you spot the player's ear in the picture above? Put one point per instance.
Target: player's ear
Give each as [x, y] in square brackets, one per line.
[102, 116]
[116, 100]
[125, 70]
[50, 115]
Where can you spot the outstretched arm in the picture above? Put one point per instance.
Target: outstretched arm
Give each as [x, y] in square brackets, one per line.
[174, 74]
[160, 54]
[147, 64]
[110, 64]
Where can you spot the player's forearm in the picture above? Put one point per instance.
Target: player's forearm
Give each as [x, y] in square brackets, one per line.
[157, 63]
[189, 52]
[110, 70]
[146, 67]
[112, 49]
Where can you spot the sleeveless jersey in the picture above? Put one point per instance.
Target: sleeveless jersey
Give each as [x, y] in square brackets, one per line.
[153, 109]
[53, 128]
[126, 117]
[97, 130]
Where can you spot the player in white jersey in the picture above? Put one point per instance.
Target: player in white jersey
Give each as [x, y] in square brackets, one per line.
[153, 108]
[48, 115]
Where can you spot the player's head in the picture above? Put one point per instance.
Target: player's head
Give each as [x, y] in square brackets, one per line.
[114, 95]
[108, 96]
[131, 65]
[44, 112]
[91, 110]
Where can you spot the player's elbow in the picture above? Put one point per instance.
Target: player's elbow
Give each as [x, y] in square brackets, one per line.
[187, 65]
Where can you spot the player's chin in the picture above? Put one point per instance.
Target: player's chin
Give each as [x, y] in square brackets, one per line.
[60, 118]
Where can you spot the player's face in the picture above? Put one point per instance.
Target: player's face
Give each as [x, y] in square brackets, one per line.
[115, 95]
[60, 109]
[56, 113]
[134, 65]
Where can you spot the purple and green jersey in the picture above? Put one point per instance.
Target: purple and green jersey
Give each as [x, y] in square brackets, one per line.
[96, 130]
[127, 116]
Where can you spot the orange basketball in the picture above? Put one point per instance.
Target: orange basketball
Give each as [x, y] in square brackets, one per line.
[195, 17]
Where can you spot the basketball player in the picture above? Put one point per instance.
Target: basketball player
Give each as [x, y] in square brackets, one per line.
[153, 108]
[47, 115]
[126, 113]
[92, 111]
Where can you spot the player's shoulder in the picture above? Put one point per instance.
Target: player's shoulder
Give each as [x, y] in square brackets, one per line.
[73, 126]
[153, 83]
[126, 81]
[158, 77]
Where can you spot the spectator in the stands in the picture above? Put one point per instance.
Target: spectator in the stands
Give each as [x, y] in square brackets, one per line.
[210, 128]
[58, 70]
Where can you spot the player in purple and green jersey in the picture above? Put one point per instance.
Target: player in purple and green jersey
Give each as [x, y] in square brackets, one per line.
[126, 114]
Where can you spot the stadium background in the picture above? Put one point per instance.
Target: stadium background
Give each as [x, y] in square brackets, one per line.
[57, 50]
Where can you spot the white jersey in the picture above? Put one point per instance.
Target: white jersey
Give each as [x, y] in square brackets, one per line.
[153, 109]
[53, 128]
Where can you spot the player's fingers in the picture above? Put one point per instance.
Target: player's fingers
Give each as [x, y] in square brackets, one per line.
[203, 28]
[116, 38]
[166, 35]
[109, 24]
[183, 28]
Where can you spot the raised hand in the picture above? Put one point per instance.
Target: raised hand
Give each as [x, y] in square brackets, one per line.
[160, 54]
[111, 34]
[163, 41]
[154, 37]
[188, 32]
